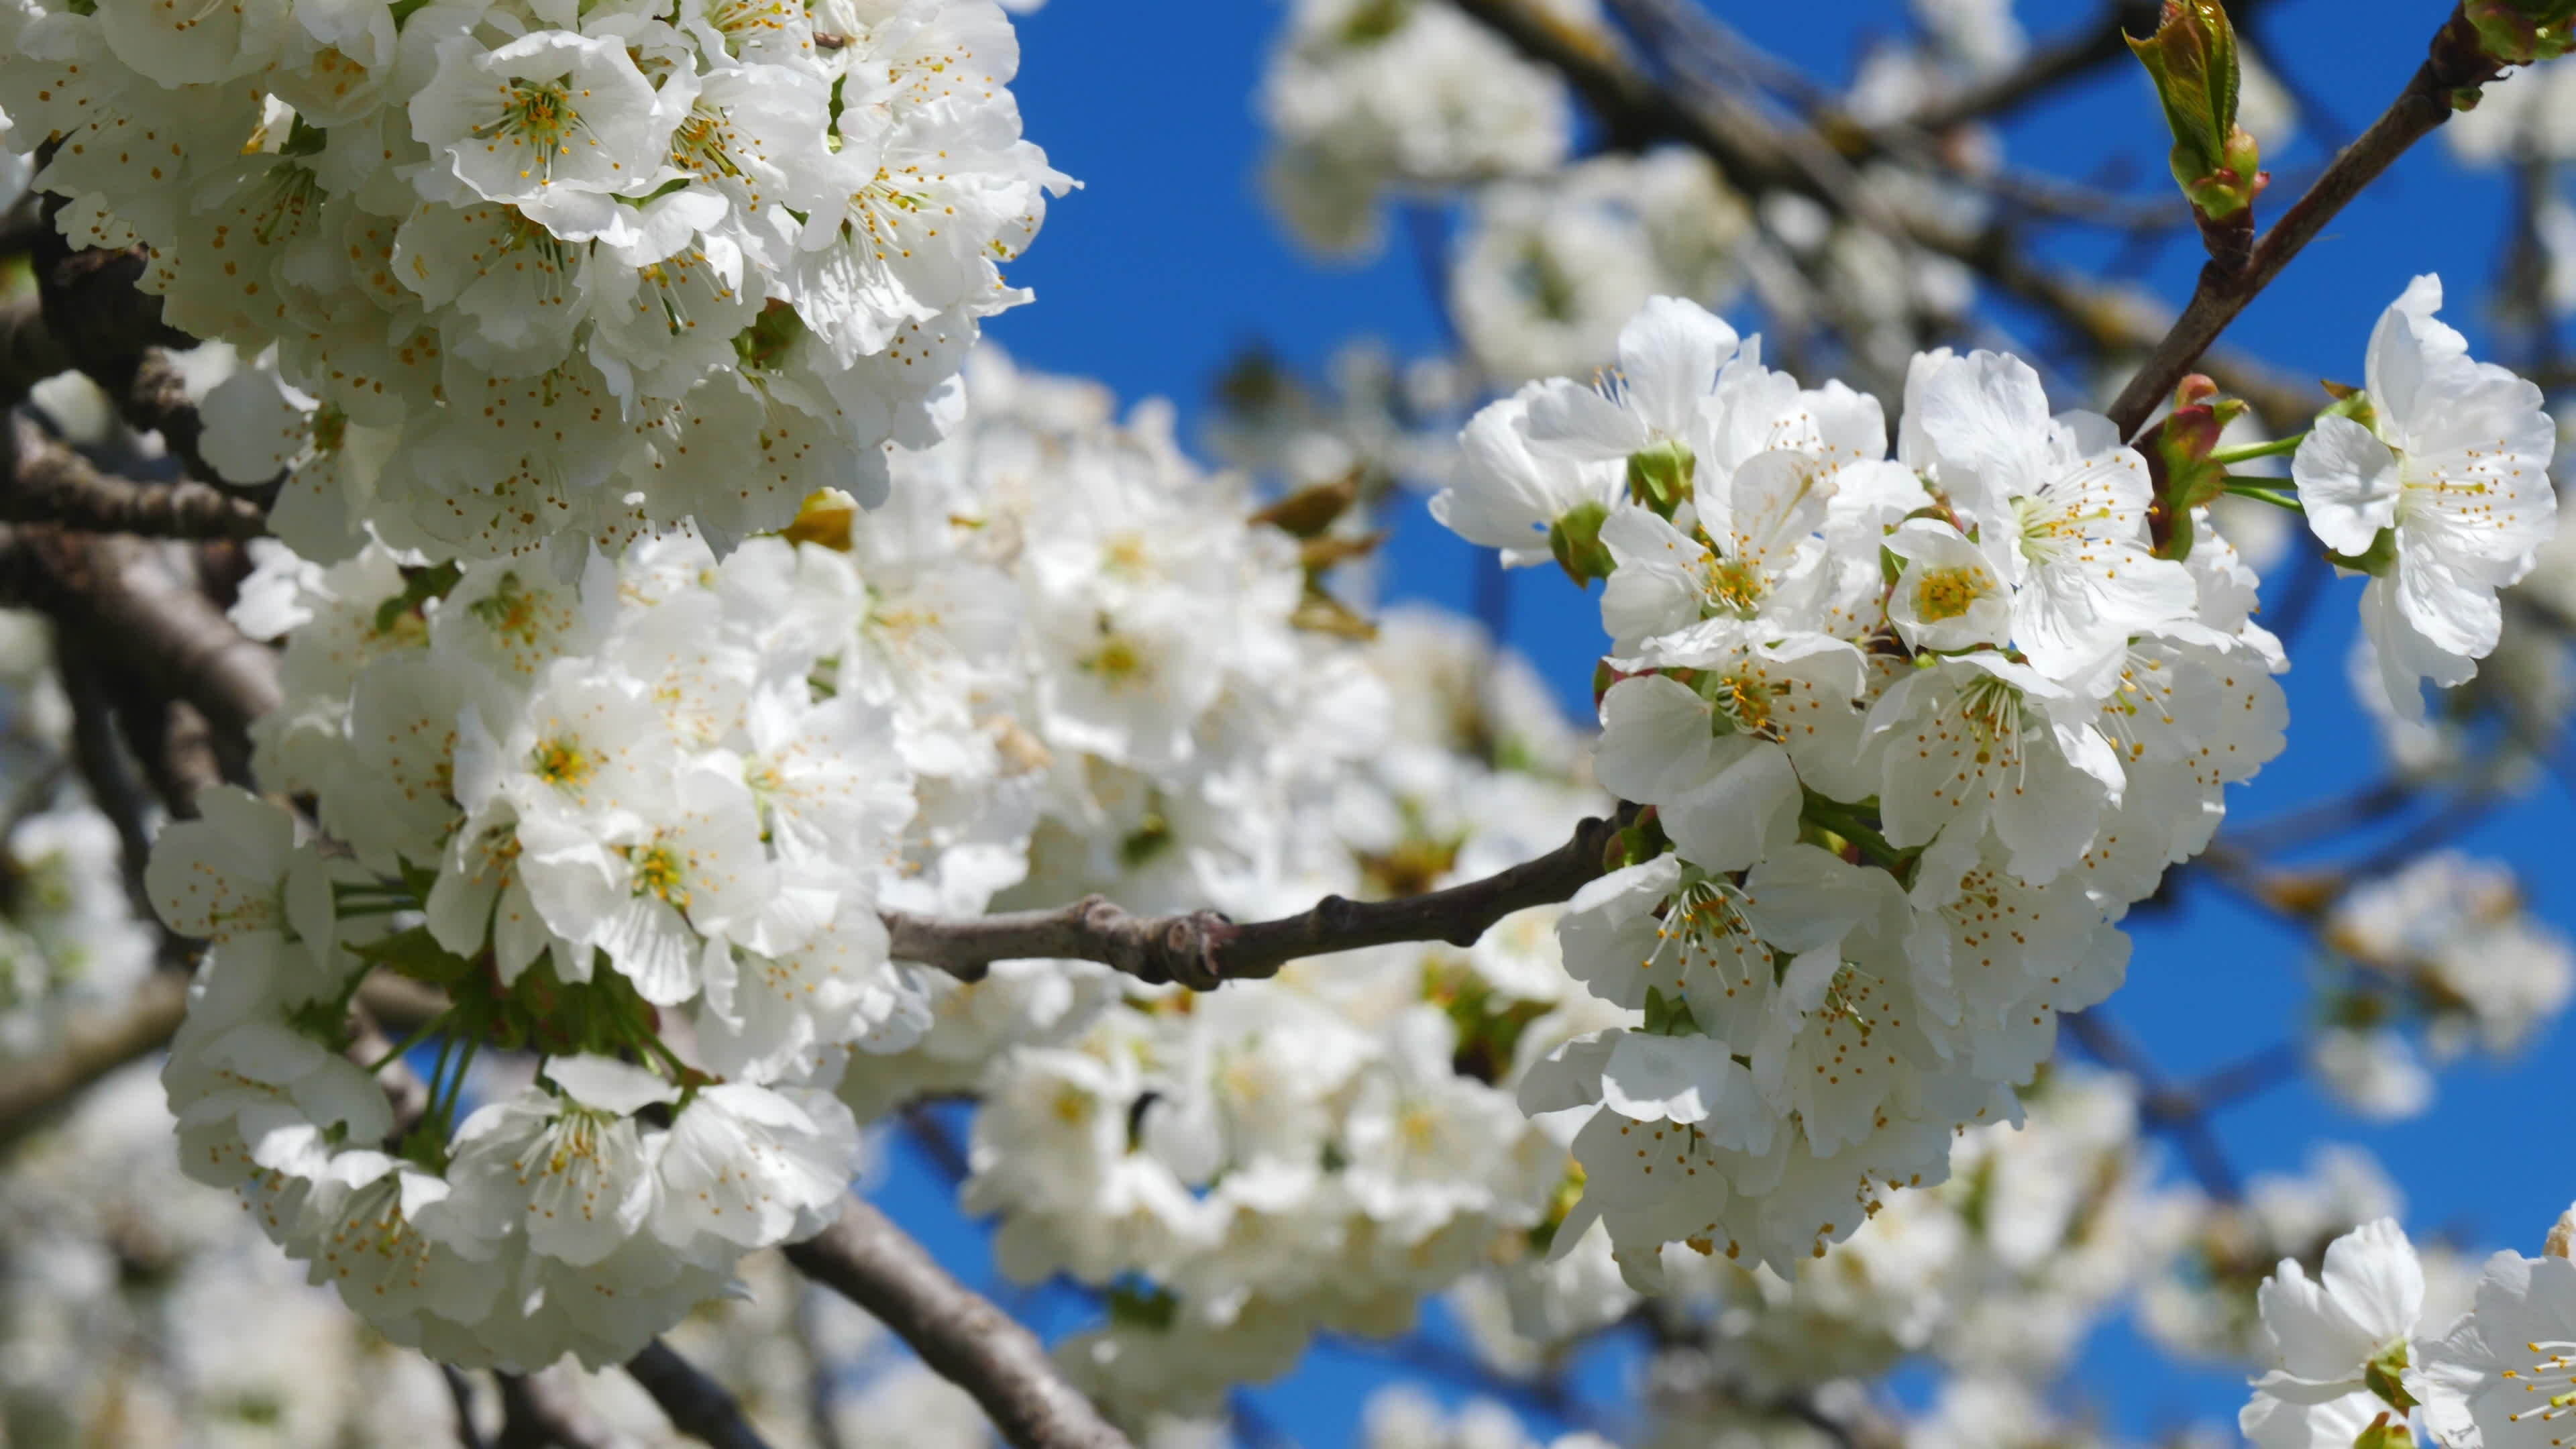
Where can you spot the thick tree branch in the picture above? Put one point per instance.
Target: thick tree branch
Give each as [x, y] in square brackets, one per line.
[92, 1044]
[48, 482]
[541, 1410]
[2452, 64]
[122, 593]
[867, 1259]
[697, 1406]
[1203, 950]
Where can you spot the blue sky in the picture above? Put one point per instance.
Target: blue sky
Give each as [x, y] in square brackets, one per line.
[1166, 264]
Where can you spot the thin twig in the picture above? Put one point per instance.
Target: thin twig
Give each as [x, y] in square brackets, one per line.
[2045, 68]
[1203, 950]
[2160, 1107]
[2453, 63]
[960, 1334]
[1635, 113]
[696, 1405]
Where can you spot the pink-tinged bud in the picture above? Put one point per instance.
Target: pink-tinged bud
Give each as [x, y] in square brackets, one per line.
[2178, 453]
[2192, 58]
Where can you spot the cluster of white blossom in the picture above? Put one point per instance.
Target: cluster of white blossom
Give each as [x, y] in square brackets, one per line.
[500, 272]
[2434, 479]
[1547, 271]
[138, 1311]
[1314, 1152]
[1914, 733]
[2370, 1352]
[69, 938]
[648, 815]
[2446, 946]
[1368, 96]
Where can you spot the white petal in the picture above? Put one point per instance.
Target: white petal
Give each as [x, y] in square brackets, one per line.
[2348, 481]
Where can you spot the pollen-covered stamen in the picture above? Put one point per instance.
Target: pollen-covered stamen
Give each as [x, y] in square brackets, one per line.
[889, 204]
[1731, 586]
[1993, 713]
[2144, 696]
[660, 871]
[739, 21]
[563, 763]
[2553, 1367]
[283, 204]
[1703, 926]
[541, 119]
[573, 1148]
[2064, 518]
[1941, 594]
[1749, 698]
[708, 146]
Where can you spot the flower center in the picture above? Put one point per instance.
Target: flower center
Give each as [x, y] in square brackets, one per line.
[563, 763]
[1941, 594]
[537, 115]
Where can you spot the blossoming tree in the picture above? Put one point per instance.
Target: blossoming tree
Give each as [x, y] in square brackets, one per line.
[560, 695]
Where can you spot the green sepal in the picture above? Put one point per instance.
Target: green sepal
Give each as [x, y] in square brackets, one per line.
[1574, 540]
[1659, 476]
[2376, 560]
[1669, 1016]
[416, 954]
[419, 587]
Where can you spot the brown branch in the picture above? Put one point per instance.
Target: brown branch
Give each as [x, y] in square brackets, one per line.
[696, 1405]
[461, 1393]
[2049, 66]
[29, 352]
[92, 1044]
[1635, 112]
[122, 593]
[538, 1410]
[104, 768]
[110, 328]
[1682, 29]
[1203, 950]
[2453, 63]
[48, 482]
[962, 1336]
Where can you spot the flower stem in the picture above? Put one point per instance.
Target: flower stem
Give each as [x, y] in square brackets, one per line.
[2264, 490]
[2278, 447]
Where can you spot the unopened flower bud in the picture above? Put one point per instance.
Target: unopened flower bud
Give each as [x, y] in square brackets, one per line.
[2192, 58]
[2180, 463]
[2518, 32]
